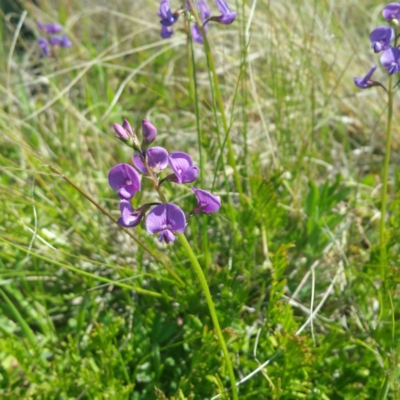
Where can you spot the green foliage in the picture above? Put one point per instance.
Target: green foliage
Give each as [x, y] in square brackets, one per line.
[88, 313]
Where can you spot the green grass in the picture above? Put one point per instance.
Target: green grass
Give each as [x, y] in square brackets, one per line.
[89, 312]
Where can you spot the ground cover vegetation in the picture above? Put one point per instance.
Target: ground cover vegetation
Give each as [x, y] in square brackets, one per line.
[275, 272]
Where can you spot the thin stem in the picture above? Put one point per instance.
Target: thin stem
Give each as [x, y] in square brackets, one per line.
[383, 253]
[203, 282]
[220, 104]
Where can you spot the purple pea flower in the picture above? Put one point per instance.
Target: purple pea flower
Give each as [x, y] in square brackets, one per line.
[157, 159]
[206, 202]
[149, 133]
[166, 32]
[129, 217]
[166, 219]
[165, 13]
[62, 41]
[50, 29]
[391, 11]
[390, 59]
[381, 37]
[44, 45]
[205, 13]
[182, 165]
[125, 180]
[366, 82]
[227, 16]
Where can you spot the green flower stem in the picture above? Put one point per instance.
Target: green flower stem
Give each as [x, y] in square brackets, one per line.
[383, 253]
[203, 282]
[220, 104]
[194, 94]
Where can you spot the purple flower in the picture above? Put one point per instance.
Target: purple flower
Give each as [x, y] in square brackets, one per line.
[129, 217]
[149, 133]
[366, 82]
[165, 13]
[125, 179]
[227, 16]
[44, 45]
[381, 37]
[205, 13]
[166, 32]
[65, 42]
[50, 29]
[390, 59]
[166, 219]
[206, 202]
[62, 41]
[182, 165]
[391, 11]
[156, 157]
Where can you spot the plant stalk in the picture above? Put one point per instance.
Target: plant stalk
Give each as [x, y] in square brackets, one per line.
[220, 104]
[203, 282]
[383, 253]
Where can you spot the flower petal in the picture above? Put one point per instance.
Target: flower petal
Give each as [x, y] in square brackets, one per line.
[125, 178]
[156, 219]
[190, 175]
[128, 219]
[157, 158]
[207, 202]
[175, 218]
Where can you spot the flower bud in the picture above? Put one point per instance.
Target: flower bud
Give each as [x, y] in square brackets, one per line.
[127, 135]
[149, 133]
[121, 132]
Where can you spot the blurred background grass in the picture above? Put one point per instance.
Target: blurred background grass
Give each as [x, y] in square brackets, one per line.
[75, 322]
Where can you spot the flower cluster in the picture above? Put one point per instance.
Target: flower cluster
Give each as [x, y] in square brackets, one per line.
[167, 218]
[53, 40]
[384, 39]
[169, 18]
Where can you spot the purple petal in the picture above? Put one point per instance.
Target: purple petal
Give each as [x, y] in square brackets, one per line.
[50, 29]
[166, 235]
[166, 32]
[44, 45]
[126, 192]
[55, 40]
[366, 82]
[128, 217]
[391, 11]
[175, 218]
[125, 179]
[196, 34]
[179, 162]
[381, 38]
[207, 202]
[165, 217]
[121, 132]
[205, 12]
[157, 158]
[156, 219]
[140, 165]
[189, 175]
[165, 13]
[65, 42]
[227, 16]
[127, 127]
[149, 131]
[390, 59]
